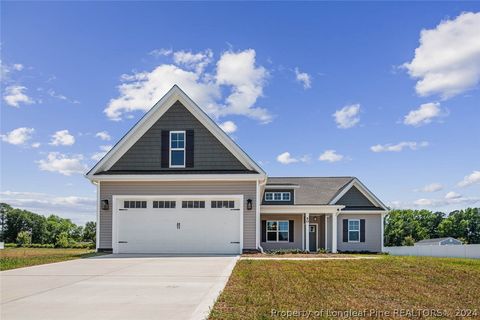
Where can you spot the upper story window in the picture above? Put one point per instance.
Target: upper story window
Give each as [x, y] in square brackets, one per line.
[277, 196]
[177, 149]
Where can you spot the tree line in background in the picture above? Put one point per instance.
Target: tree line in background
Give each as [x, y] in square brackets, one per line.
[402, 227]
[26, 228]
[405, 227]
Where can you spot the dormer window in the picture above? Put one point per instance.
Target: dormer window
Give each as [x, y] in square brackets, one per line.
[277, 196]
[177, 149]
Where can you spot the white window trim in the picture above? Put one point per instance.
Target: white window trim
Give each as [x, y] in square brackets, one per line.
[184, 149]
[281, 196]
[277, 231]
[348, 224]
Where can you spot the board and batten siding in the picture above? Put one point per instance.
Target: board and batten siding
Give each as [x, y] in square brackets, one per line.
[208, 154]
[354, 198]
[245, 188]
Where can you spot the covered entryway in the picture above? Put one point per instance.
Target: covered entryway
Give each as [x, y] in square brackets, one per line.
[178, 224]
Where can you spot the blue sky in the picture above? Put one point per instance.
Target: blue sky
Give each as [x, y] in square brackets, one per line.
[407, 103]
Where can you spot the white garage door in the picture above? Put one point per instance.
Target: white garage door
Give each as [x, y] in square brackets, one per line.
[178, 225]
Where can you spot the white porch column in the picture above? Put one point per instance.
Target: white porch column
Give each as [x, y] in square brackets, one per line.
[334, 232]
[326, 232]
[307, 232]
[383, 239]
[303, 231]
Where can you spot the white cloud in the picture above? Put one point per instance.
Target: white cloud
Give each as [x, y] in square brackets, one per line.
[6, 69]
[56, 95]
[452, 195]
[246, 81]
[304, 78]
[78, 209]
[235, 71]
[447, 62]
[103, 135]
[399, 146]
[228, 126]
[432, 187]
[36, 145]
[348, 116]
[62, 138]
[61, 163]
[423, 115]
[423, 202]
[18, 136]
[286, 158]
[161, 52]
[452, 198]
[193, 61]
[15, 95]
[330, 156]
[99, 155]
[17, 66]
[472, 178]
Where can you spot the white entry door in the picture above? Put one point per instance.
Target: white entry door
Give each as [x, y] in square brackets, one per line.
[183, 225]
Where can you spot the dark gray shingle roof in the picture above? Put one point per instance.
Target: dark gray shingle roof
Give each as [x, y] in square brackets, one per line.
[313, 190]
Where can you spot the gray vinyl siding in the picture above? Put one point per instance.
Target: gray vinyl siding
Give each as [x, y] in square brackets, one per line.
[373, 231]
[245, 188]
[297, 232]
[292, 197]
[209, 152]
[354, 198]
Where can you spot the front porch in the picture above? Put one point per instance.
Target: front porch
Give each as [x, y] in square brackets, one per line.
[304, 231]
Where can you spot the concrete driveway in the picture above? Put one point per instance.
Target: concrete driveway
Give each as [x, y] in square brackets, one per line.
[115, 287]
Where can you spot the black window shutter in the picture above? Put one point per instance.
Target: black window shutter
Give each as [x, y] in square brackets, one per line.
[165, 163]
[362, 230]
[291, 237]
[264, 231]
[345, 230]
[190, 144]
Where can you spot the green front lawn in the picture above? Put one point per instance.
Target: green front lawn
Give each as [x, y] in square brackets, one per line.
[386, 284]
[12, 258]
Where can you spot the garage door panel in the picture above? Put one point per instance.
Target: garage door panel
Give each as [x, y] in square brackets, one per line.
[179, 230]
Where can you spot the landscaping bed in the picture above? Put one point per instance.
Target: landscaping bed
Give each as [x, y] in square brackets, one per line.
[387, 284]
[12, 258]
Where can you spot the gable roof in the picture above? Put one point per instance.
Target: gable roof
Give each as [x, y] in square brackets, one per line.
[324, 190]
[167, 101]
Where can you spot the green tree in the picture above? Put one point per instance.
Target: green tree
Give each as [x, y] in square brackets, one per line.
[89, 232]
[462, 224]
[62, 240]
[24, 238]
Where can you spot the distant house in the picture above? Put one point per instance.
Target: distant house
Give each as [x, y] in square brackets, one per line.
[438, 242]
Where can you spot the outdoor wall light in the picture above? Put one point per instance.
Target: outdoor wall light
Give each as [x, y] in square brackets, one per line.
[249, 204]
[104, 204]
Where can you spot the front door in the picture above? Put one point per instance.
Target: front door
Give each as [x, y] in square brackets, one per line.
[313, 238]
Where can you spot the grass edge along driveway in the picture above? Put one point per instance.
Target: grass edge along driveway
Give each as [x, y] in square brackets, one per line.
[385, 284]
[13, 258]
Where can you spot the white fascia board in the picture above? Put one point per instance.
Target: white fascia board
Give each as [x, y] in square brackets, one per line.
[362, 212]
[282, 186]
[179, 177]
[153, 115]
[363, 189]
[289, 209]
